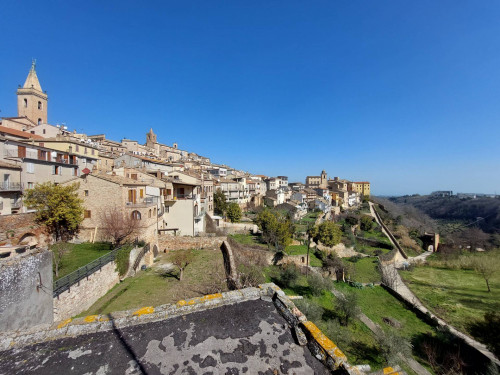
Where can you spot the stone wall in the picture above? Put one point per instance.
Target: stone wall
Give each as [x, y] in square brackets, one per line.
[26, 290]
[85, 293]
[167, 243]
[17, 228]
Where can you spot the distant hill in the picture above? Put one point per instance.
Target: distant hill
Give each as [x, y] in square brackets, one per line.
[483, 211]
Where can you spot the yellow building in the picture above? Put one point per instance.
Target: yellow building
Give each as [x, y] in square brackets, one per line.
[362, 187]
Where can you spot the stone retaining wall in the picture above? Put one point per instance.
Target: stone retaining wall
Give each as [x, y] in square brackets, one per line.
[167, 243]
[86, 292]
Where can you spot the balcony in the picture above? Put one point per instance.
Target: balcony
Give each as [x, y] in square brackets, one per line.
[146, 202]
[181, 197]
[11, 186]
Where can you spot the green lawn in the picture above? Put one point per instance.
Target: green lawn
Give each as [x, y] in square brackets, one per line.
[81, 254]
[248, 239]
[458, 296]
[154, 287]
[365, 270]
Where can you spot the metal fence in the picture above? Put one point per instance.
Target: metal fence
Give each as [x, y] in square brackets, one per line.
[144, 250]
[64, 283]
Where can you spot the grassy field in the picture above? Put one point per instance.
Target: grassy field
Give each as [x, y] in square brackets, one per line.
[459, 296]
[365, 270]
[154, 287]
[249, 239]
[81, 254]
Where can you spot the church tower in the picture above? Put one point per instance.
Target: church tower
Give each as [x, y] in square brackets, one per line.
[31, 100]
[150, 139]
[324, 183]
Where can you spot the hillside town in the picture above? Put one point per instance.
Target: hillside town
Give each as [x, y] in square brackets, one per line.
[107, 243]
[167, 189]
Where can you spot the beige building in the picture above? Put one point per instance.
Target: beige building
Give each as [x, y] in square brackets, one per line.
[100, 192]
[184, 212]
[317, 181]
[10, 188]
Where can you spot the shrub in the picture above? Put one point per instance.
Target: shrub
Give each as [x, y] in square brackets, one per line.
[317, 284]
[122, 260]
[312, 311]
[289, 275]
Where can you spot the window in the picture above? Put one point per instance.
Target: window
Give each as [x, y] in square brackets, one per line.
[132, 195]
[87, 214]
[30, 168]
[75, 171]
[43, 131]
[93, 152]
[40, 105]
[136, 215]
[167, 209]
[56, 169]
[149, 214]
[141, 193]
[77, 148]
[25, 103]
[85, 151]
[86, 193]
[31, 185]
[39, 121]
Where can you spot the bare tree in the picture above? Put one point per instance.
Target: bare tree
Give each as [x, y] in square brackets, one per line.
[118, 224]
[486, 267]
[181, 260]
[59, 250]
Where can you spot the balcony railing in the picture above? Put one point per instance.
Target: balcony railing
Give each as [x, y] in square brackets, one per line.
[12, 186]
[146, 202]
[181, 197]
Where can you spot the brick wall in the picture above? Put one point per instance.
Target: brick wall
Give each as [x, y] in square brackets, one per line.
[14, 227]
[85, 293]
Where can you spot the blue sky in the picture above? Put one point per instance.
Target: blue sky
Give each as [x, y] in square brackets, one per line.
[404, 94]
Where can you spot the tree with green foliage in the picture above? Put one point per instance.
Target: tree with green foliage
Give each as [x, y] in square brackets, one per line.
[57, 207]
[328, 233]
[277, 229]
[352, 220]
[233, 212]
[220, 204]
[366, 223]
[347, 306]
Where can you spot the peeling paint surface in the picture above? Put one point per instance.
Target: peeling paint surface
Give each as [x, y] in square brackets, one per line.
[244, 338]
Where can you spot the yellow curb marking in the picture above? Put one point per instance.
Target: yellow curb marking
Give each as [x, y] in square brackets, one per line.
[90, 318]
[144, 310]
[64, 323]
[388, 370]
[182, 302]
[103, 319]
[324, 341]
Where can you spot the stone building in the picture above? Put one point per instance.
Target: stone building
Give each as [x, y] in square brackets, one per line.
[101, 192]
[314, 182]
[31, 100]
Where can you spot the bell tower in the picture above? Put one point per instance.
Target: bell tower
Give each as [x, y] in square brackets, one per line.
[31, 100]
[150, 139]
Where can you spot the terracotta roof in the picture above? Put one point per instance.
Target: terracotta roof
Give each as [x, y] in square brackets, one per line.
[4, 164]
[118, 179]
[19, 133]
[361, 182]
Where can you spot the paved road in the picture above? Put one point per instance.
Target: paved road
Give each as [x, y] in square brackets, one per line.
[244, 338]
